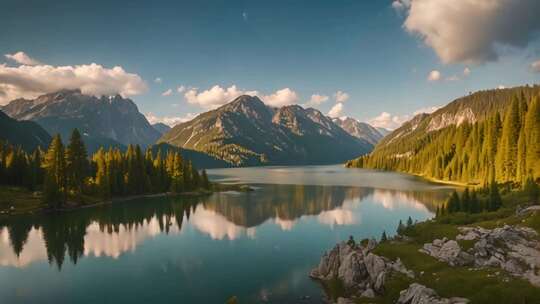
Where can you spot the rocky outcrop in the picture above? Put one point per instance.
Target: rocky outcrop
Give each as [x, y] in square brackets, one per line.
[420, 294]
[513, 249]
[362, 272]
[448, 251]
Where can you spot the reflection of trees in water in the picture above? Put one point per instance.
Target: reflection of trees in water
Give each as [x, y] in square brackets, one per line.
[65, 233]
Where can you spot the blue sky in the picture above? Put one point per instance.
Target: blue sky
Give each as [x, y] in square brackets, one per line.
[362, 48]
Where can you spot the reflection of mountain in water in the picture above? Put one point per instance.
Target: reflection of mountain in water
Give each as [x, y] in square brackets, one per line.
[118, 228]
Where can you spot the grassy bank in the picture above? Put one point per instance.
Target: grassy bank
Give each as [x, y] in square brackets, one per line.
[490, 285]
[18, 200]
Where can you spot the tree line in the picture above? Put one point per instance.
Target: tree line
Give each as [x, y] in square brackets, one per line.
[67, 172]
[504, 149]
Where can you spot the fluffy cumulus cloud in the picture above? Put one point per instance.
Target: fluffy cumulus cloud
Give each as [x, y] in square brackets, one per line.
[158, 80]
[180, 89]
[30, 81]
[337, 110]
[471, 31]
[466, 72]
[535, 66]
[434, 76]
[391, 122]
[316, 100]
[169, 120]
[281, 98]
[167, 93]
[22, 58]
[341, 96]
[217, 96]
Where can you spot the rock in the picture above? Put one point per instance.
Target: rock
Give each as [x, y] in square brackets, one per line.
[344, 301]
[369, 293]
[420, 294]
[448, 251]
[360, 271]
[511, 248]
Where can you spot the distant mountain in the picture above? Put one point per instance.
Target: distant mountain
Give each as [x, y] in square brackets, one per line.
[247, 132]
[384, 131]
[104, 121]
[200, 160]
[359, 129]
[27, 134]
[161, 127]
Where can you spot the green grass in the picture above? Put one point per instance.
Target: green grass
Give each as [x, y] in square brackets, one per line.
[480, 286]
[20, 198]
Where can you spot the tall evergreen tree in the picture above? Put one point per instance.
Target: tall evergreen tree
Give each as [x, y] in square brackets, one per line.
[76, 162]
[54, 164]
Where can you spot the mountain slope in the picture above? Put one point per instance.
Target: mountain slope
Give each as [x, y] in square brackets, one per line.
[359, 129]
[161, 128]
[247, 132]
[26, 134]
[487, 135]
[107, 121]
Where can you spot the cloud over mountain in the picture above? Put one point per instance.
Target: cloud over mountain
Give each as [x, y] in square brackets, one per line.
[30, 81]
[217, 96]
[22, 58]
[471, 31]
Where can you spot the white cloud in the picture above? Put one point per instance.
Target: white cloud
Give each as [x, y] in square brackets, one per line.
[31, 81]
[391, 122]
[158, 80]
[181, 89]
[388, 121]
[535, 66]
[341, 96]
[466, 72]
[317, 99]
[471, 31]
[218, 96]
[281, 98]
[453, 78]
[336, 111]
[434, 76]
[215, 96]
[167, 93]
[169, 120]
[22, 58]
[501, 87]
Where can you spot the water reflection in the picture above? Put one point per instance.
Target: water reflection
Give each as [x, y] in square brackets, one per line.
[111, 231]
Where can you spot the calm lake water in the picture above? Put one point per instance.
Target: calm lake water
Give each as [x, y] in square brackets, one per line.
[259, 246]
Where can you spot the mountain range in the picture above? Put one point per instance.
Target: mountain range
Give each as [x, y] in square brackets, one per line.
[104, 121]
[248, 132]
[360, 130]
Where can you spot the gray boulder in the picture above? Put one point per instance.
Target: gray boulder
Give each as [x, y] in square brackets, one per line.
[420, 294]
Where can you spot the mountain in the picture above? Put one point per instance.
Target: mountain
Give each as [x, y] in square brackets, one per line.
[383, 131]
[487, 135]
[104, 121]
[161, 127]
[246, 132]
[27, 134]
[359, 129]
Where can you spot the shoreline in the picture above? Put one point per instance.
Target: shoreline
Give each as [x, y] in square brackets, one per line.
[43, 209]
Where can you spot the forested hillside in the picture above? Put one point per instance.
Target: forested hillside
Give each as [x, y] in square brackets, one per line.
[487, 136]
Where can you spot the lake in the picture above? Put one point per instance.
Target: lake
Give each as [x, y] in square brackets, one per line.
[258, 246]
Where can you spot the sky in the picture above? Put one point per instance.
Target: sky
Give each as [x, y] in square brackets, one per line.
[377, 61]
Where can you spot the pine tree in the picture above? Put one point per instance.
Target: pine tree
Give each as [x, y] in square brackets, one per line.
[532, 190]
[465, 201]
[495, 201]
[54, 165]
[76, 162]
[400, 228]
[384, 238]
[205, 181]
[475, 203]
[532, 131]
[506, 162]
